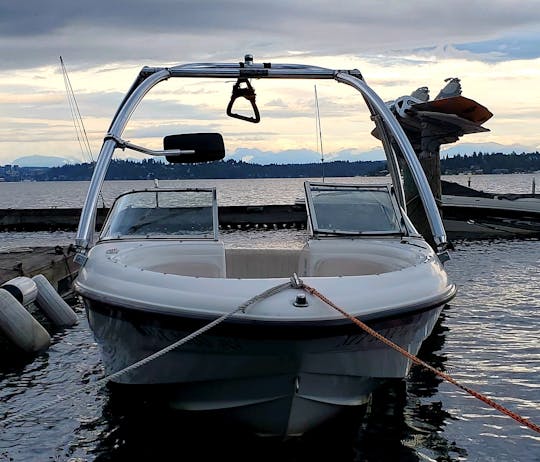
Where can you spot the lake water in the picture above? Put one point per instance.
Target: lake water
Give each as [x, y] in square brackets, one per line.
[487, 338]
[230, 192]
[67, 194]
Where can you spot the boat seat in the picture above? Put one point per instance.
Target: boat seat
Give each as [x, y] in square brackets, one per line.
[261, 263]
[343, 257]
[199, 259]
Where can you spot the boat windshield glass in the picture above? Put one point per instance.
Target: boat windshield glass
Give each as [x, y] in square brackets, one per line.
[163, 214]
[339, 209]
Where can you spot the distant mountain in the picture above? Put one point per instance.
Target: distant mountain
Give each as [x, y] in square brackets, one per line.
[302, 156]
[289, 156]
[353, 155]
[43, 161]
[305, 156]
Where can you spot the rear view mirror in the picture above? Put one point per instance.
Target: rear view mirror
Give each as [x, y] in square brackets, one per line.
[206, 147]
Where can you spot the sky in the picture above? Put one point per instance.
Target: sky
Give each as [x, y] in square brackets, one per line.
[493, 47]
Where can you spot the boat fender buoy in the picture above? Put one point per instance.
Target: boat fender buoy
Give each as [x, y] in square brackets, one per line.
[22, 288]
[52, 304]
[20, 327]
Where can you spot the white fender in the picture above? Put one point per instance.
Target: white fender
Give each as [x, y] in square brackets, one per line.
[52, 304]
[18, 325]
[22, 288]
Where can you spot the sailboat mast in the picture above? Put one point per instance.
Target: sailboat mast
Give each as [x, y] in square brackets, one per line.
[76, 115]
[319, 131]
[78, 123]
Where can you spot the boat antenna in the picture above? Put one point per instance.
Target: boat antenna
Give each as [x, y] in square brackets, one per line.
[78, 123]
[319, 131]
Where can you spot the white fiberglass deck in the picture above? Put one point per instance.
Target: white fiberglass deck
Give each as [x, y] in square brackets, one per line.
[149, 276]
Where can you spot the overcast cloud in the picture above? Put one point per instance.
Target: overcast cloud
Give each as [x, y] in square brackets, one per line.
[494, 46]
[35, 32]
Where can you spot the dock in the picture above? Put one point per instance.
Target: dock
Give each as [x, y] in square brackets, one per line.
[55, 263]
[47, 219]
[460, 222]
[67, 219]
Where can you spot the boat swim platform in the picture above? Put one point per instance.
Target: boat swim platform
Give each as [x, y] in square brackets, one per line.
[459, 222]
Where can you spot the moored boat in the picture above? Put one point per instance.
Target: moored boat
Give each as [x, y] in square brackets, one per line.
[275, 357]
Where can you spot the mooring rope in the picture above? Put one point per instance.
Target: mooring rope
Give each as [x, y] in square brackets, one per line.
[60, 251]
[419, 362]
[99, 383]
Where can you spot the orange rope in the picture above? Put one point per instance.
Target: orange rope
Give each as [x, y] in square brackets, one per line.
[418, 361]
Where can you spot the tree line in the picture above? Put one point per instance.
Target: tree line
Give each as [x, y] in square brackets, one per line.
[151, 168]
[492, 163]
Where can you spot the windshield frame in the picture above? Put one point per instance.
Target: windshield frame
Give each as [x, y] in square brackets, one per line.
[317, 231]
[214, 235]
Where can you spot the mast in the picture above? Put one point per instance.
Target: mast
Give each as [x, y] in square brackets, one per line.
[78, 123]
[319, 131]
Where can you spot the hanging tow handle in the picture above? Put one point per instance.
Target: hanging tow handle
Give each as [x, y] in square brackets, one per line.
[245, 92]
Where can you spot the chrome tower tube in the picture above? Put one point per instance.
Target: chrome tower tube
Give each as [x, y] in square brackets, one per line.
[432, 211]
[85, 231]
[149, 77]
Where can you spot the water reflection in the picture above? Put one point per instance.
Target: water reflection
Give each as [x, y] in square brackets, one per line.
[403, 422]
[149, 432]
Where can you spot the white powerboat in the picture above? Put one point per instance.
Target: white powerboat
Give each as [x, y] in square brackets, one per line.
[278, 360]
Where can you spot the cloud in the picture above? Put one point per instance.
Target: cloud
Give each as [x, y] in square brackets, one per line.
[522, 45]
[277, 103]
[493, 46]
[34, 33]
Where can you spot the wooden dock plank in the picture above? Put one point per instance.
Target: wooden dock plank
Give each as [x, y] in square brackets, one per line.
[58, 268]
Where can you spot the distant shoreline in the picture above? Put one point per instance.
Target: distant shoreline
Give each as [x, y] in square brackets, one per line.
[148, 169]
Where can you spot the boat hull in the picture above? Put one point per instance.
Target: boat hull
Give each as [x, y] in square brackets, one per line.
[281, 380]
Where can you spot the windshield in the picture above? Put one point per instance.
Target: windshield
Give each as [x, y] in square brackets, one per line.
[344, 209]
[163, 214]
